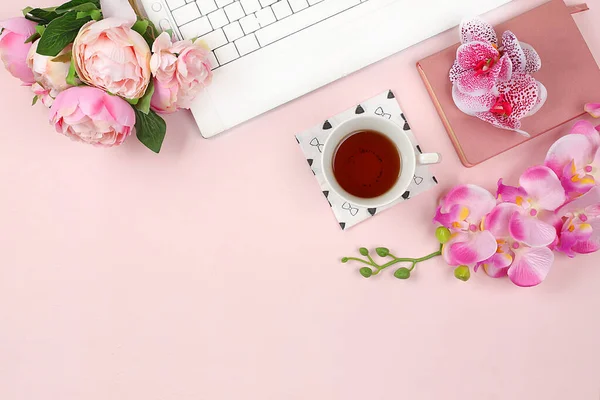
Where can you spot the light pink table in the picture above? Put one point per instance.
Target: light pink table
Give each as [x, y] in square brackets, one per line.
[211, 271]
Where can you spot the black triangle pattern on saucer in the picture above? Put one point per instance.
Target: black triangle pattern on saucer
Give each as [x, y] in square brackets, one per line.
[327, 125]
[326, 194]
[406, 195]
[343, 225]
[435, 180]
[391, 95]
[419, 148]
[359, 110]
[372, 211]
[297, 140]
[406, 125]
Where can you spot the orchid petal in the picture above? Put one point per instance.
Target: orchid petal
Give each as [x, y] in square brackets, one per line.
[531, 266]
[497, 266]
[509, 194]
[531, 231]
[521, 92]
[542, 96]
[533, 62]
[477, 29]
[592, 244]
[593, 109]
[470, 54]
[472, 105]
[567, 149]
[506, 68]
[476, 199]
[512, 47]
[587, 129]
[581, 204]
[455, 72]
[497, 221]
[469, 248]
[542, 185]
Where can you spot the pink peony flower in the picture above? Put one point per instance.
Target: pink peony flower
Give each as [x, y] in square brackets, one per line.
[462, 211]
[525, 265]
[580, 233]
[110, 55]
[539, 195]
[14, 50]
[90, 115]
[50, 76]
[181, 71]
[575, 158]
[481, 62]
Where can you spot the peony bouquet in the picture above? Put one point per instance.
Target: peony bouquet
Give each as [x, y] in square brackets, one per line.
[555, 209]
[491, 79]
[103, 70]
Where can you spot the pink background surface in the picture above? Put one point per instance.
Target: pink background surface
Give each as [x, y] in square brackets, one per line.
[211, 271]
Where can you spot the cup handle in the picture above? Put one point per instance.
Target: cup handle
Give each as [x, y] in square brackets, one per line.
[429, 158]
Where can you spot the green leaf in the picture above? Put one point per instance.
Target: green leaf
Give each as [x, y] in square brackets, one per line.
[140, 27]
[59, 33]
[33, 38]
[35, 100]
[40, 29]
[144, 104]
[42, 15]
[74, 4]
[72, 75]
[133, 102]
[150, 129]
[96, 15]
[26, 11]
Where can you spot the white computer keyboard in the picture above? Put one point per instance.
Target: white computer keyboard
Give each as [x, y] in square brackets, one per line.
[235, 28]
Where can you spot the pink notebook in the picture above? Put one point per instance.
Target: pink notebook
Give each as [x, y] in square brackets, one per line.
[569, 72]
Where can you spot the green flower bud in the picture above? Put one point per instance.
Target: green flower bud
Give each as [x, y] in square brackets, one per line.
[462, 272]
[366, 272]
[402, 273]
[442, 234]
[345, 260]
[382, 251]
[363, 251]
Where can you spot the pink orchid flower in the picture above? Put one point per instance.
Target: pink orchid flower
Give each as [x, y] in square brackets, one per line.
[481, 63]
[575, 158]
[539, 195]
[462, 211]
[525, 265]
[580, 233]
[507, 104]
[593, 109]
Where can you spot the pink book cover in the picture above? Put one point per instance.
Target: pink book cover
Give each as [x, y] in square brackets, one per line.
[568, 71]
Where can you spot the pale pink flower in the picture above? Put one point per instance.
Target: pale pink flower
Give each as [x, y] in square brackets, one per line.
[580, 233]
[525, 265]
[575, 158]
[539, 195]
[90, 115]
[462, 211]
[593, 109]
[50, 76]
[181, 70]
[110, 55]
[14, 50]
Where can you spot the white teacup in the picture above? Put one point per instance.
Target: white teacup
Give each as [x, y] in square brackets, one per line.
[410, 158]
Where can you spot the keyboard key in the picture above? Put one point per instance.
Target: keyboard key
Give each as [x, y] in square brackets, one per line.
[247, 44]
[218, 19]
[226, 53]
[187, 13]
[282, 9]
[174, 4]
[266, 3]
[249, 24]
[233, 31]
[234, 11]
[223, 3]
[301, 20]
[206, 6]
[250, 6]
[298, 5]
[313, 2]
[214, 39]
[265, 17]
[196, 28]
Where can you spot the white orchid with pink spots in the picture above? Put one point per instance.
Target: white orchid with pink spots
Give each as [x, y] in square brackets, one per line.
[492, 81]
